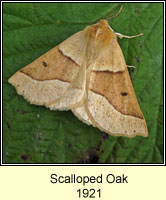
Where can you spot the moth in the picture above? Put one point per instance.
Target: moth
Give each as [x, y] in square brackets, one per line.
[86, 74]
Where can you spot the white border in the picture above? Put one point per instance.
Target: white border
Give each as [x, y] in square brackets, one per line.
[2, 83]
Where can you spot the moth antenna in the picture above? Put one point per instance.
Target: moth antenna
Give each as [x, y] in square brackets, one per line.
[125, 36]
[115, 14]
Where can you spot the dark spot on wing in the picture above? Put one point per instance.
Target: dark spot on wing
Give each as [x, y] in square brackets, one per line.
[124, 93]
[44, 64]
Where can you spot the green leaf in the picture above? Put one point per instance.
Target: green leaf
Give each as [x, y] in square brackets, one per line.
[34, 134]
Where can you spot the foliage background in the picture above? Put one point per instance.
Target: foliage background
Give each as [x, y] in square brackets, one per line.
[33, 134]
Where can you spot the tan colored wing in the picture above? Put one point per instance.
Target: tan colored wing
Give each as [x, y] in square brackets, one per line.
[112, 106]
[110, 103]
[57, 78]
[82, 115]
[109, 57]
[74, 47]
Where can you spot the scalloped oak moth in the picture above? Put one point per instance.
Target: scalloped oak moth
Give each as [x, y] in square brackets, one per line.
[87, 74]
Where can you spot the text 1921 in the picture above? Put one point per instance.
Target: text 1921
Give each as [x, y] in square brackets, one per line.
[89, 193]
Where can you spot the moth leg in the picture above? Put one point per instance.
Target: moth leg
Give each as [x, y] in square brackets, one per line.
[125, 36]
[130, 66]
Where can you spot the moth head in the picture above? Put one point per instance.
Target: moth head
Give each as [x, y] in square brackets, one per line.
[104, 32]
[103, 22]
